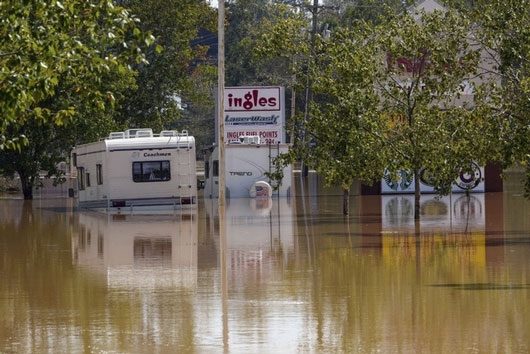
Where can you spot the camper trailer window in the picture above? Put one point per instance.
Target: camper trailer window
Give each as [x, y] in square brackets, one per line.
[99, 174]
[151, 171]
[207, 169]
[80, 178]
[215, 171]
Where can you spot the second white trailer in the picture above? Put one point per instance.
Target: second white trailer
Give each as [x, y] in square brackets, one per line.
[246, 165]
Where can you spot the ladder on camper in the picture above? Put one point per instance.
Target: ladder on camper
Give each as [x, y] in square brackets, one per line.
[184, 169]
[274, 151]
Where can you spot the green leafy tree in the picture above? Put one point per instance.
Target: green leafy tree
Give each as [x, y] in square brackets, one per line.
[342, 137]
[345, 126]
[503, 33]
[42, 41]
[433, 123]
[63, 64]
[199, 110]
[347, 12]
[247, 22]
[176, 62]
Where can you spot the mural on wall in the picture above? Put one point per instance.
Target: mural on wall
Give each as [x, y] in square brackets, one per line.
[472, 180]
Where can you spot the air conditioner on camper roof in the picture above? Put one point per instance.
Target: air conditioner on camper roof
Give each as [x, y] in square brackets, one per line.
[139, 133]
[144, 134]
[117, 135]
[169, 133]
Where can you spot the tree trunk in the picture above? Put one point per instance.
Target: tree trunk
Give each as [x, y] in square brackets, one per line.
[27, 186]
[417, 194]
[346, 201]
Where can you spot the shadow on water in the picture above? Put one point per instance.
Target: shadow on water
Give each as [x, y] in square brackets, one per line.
[483, 286]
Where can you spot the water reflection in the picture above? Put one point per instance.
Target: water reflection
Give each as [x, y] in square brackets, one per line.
[256, 229]
[450, 213]
[451, 230]
[138, 251]
[299, 277]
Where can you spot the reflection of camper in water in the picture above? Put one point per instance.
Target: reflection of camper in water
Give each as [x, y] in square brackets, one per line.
[127, 249]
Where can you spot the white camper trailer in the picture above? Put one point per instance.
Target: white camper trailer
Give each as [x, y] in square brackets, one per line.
[136, 169]
[245, 165]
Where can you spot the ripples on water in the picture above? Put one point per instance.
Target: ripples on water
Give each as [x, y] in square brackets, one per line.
[292, 276]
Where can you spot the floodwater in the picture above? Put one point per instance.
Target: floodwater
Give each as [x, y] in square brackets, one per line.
[290, 276]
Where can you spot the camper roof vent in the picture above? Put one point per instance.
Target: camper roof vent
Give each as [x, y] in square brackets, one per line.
[169, 133]
[184, 133]
[139, 133]
[117, 135]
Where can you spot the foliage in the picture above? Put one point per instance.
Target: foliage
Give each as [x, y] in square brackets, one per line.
[176, 62]
[434, 123]
[504, 34]
[247, 22]
[48, 143]
[345, 124]
[42, 41]
[63, 66]
[408, 94]
[196, 117]
[347, 13]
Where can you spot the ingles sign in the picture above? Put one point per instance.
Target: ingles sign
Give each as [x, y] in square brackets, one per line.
[242, 99]
[255, 111]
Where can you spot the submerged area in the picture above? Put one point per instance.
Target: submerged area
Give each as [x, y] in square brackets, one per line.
[292, 275]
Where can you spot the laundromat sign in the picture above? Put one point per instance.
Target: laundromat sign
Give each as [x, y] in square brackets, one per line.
[251, 111]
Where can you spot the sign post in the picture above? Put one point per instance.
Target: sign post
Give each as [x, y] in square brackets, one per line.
[221, 140]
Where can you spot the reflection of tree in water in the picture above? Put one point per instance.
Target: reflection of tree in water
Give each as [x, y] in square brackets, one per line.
[397, 209]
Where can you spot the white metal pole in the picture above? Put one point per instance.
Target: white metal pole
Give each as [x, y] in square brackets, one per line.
[221, 182]
[220, 100]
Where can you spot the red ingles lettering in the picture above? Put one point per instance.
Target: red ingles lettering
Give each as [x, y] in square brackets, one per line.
[252, 100]
[268, 134]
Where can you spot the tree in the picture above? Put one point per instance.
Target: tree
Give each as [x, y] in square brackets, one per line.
[63, 64]
[246, 64]
[341, 139]
[433, 124]
[247, 22]
[349, 12]
[41, 41]
[170, 78]
[432, 112]
[197, 113]
[503, 33]
[48, 144]
[345, 126]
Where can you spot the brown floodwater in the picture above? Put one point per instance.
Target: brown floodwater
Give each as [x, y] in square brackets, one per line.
[290, 276]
